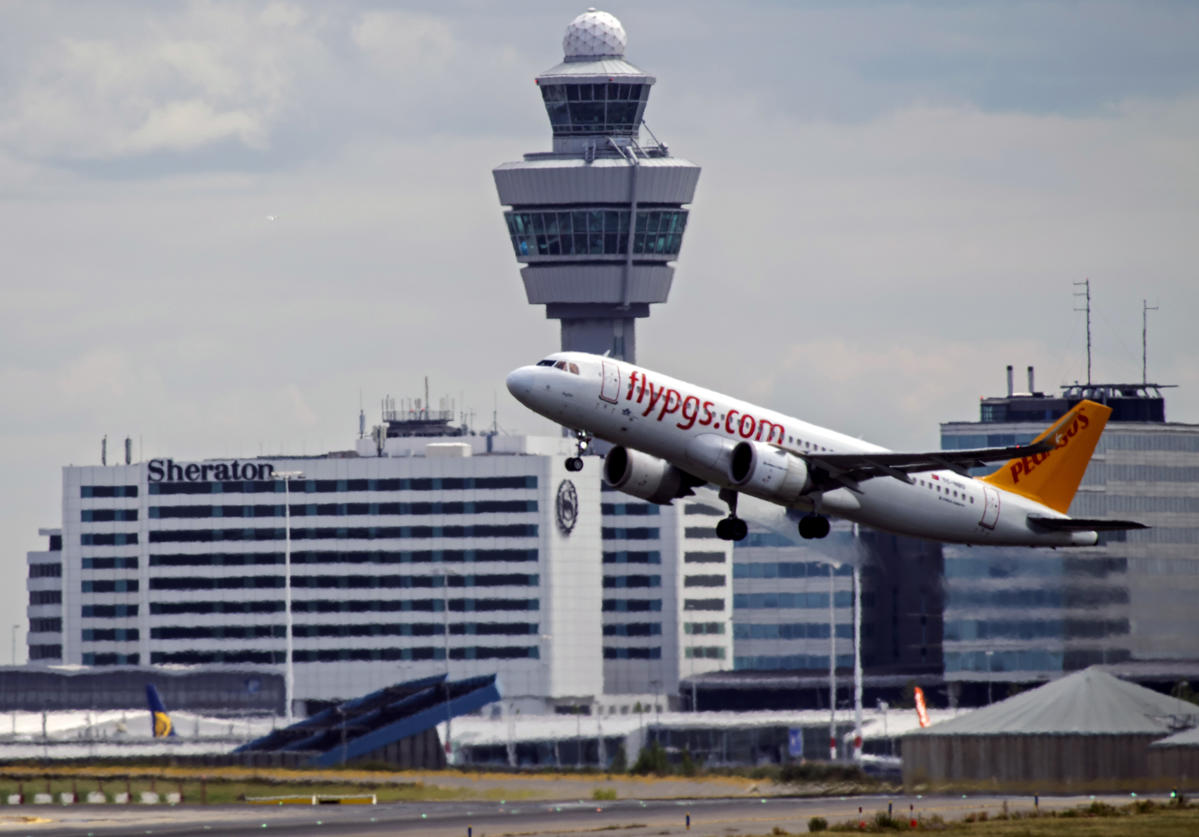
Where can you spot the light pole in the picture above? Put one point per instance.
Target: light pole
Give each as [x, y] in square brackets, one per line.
[857, 662]
[989, 677]
[15, 628]
[832, 666]
[445, 632]
[578, 736]
[883, 707]
[289, 676]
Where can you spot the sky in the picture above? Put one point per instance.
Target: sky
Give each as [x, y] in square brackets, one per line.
[896, 201]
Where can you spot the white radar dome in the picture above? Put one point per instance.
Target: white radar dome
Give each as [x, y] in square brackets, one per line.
[594, 34]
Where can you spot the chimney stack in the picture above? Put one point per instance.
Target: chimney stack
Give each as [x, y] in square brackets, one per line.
[1009, 381]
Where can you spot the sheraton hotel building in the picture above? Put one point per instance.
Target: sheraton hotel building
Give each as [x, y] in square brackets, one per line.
[411, 556]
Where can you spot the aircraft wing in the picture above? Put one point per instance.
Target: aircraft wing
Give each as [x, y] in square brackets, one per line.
[849, 469]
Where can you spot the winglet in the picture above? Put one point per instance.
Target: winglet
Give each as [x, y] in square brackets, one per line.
[160, 721]
[1052, 477]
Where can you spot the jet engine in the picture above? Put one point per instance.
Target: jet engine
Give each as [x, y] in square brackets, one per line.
[645, 476]
[766, 472]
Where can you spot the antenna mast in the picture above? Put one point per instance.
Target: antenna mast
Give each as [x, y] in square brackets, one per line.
[1145, 309]
[1086, 283]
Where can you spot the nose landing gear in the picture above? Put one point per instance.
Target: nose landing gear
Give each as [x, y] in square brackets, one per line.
[732, 528]
[582, 442]
[813, 526]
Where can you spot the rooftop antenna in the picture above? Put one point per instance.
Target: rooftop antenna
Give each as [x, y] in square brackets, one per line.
[1086, 283]
[1145, 309]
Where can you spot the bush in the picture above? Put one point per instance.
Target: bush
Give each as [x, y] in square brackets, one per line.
[884, 821]
[687, 764]
[603, 794]
[809, 771]
[652, 759]
[817, 824]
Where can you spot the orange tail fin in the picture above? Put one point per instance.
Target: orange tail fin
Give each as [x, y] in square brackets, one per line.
[1052, 478]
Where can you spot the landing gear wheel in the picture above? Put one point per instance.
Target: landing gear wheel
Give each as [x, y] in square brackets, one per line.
[813, 526]
[582, 442]
[732, 529]
[740, 529]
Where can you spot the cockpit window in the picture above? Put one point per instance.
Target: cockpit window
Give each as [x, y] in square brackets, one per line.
[564, 365]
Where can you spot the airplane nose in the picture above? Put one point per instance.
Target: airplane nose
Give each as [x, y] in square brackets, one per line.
[520, 383]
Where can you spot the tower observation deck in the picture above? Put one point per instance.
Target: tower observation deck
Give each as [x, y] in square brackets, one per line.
[597, 221]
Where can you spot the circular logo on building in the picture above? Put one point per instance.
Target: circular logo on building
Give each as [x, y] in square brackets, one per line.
[567, 506]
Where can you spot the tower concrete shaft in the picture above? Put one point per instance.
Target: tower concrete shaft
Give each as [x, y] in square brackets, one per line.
[597, 221]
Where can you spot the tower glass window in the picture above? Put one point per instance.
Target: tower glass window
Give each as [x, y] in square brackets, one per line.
[585, 108]
[595, 232]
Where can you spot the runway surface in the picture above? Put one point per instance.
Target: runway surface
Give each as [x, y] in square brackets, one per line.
[629, 818]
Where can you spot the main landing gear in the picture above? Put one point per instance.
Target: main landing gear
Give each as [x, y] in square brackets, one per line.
[582, 442]
[732, 528]
[813, 526]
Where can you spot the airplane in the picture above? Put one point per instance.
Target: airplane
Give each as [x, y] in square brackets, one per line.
[670, 437]
[160, 721]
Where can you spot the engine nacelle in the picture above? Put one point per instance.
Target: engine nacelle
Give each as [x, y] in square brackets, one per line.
[644, 476]
[767, 472]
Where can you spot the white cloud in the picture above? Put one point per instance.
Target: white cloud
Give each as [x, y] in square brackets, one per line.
[182, 126]
[186, 78]
[406, 41]
[287, 15]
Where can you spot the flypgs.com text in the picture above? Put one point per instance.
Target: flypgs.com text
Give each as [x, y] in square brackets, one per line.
[688, 411]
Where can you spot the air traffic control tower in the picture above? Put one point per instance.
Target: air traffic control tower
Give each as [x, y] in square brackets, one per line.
[597, 221]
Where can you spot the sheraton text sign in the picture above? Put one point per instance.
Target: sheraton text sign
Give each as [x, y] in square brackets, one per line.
[167, 470]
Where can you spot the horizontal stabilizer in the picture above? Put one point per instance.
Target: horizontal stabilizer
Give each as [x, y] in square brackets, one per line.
[1081, 524]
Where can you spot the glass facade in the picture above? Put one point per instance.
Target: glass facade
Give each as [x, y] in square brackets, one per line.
[595, 232]
[781, 603]
[1021, 615]
[604, 108]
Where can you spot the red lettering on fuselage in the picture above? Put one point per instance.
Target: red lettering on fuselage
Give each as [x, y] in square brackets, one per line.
[671, 404]
[653, 399]
[689, 411]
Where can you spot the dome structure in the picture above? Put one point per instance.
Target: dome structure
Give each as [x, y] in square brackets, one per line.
[594, 34]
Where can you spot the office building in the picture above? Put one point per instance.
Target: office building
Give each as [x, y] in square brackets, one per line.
[1024, 615]
[425, 549]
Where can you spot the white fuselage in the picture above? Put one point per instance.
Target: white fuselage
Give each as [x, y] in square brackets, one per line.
[695, 429]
